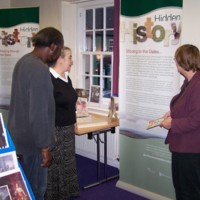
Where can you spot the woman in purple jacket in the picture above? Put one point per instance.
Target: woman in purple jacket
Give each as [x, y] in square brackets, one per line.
[183, 123]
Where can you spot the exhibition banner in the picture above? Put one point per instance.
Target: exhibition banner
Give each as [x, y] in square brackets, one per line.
[17, 26]
[149, 35]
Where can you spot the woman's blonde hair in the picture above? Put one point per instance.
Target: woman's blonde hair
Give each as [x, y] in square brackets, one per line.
[62, 55]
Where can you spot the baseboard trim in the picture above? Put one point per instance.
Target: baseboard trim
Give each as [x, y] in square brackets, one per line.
[140, 191]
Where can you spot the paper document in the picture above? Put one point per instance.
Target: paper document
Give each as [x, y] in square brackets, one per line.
[154, 123]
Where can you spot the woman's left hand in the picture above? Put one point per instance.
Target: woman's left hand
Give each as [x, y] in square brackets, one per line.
[166, 123]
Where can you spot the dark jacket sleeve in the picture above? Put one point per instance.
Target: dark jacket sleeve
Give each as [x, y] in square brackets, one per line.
[42, 111]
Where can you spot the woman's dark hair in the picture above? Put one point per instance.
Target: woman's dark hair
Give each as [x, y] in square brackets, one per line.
[188, 57]
[47, 36]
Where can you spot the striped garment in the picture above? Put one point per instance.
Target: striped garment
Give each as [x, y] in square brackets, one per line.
[62, 174]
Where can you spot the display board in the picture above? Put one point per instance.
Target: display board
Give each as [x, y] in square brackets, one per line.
[150, 33]
[13, 182]
[17, 26]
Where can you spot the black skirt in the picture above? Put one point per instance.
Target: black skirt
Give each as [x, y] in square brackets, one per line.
[62, 174]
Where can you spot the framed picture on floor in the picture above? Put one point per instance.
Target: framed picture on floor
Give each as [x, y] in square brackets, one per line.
[8, 161]
[14, 185]
[3, 135]
[5, 193]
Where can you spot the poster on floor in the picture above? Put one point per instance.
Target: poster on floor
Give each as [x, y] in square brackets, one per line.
[13, 186]
[150, 33]
[17, 26]
[149, 36]
[13, 182]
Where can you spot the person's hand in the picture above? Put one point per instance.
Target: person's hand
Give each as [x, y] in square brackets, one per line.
[76, 128]
[166, 115]
[46, 157]
[166, 123]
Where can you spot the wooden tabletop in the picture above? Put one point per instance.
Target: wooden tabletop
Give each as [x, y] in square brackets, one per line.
[95, 122]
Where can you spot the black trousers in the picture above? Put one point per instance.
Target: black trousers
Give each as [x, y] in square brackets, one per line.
[186, 175]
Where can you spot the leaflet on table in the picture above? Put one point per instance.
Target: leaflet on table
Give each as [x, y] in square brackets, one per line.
[91, 121]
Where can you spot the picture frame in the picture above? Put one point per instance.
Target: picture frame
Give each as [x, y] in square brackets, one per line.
[84, 93]
[82, 102]
[95, 93]
[5, 193]
[3, 135]
[8, 161]
[82, 107]
[15, 184]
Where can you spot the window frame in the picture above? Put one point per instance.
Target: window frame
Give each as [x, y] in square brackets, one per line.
[81, 48]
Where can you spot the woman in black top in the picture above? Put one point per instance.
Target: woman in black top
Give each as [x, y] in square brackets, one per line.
[62, 174]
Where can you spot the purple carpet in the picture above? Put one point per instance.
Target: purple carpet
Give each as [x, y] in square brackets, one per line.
[87, 174]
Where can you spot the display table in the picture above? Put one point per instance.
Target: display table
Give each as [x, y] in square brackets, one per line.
[94, 126]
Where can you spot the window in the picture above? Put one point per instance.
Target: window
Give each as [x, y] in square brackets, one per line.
[96, 49]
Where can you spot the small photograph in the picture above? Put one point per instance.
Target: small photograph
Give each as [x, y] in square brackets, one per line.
[16, 186]
[82, 93]
[3, 136]
[113, 107]
[4, 193]
[95, 94]
[8, 161]
[81, 107]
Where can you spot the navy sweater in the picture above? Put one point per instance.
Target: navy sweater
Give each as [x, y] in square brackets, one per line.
[65, 99]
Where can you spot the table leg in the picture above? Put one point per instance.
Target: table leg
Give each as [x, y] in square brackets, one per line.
[99, 180]
[98, 158]
[105, 154]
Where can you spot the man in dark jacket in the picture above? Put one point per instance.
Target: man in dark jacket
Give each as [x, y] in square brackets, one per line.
[31, 119]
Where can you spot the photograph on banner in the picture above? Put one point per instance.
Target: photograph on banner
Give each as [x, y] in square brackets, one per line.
[8, 161]
[148, 73]
[3, 135]
[15, 41]
[15, 184]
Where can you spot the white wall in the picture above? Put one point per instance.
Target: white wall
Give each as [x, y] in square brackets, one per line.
[69, 30]
[5, 4]
[50, 10]
[190, 20]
